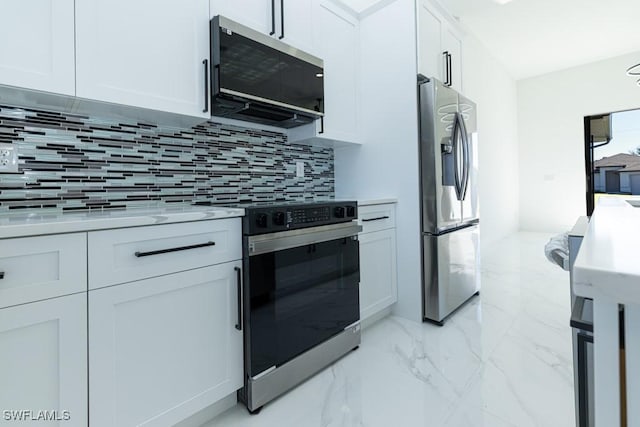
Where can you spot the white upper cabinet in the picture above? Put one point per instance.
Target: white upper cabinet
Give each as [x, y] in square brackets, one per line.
[144, 53]
[37, 46]
[439, 47]
[256, 14]
[452, 45]
[296, 22]
[336, 42]
[287, 20]
[430, 55]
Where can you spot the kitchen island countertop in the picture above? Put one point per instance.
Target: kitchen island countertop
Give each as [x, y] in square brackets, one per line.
[607, 263]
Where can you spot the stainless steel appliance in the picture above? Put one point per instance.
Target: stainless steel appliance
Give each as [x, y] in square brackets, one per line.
[300, 293]
[260, 79]
[450, 214]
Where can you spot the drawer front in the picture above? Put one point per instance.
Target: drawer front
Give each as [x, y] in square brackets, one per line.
[128, 254]
[377, 217]
[37, 268]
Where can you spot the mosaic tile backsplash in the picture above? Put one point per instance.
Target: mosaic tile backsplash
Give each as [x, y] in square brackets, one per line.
[73, 162]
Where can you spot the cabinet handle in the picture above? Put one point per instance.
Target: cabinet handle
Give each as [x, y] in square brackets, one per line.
[446, 67]
[239, 284]
[450, 73]
[206, 85]
[281, 19]
[375, 219]
[1, 274]
[273, 17]
[180, 248]
[321, 125]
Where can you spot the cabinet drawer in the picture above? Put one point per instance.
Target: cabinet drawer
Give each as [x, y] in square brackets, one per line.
[377, 217]
[124, 255]
[37, 268]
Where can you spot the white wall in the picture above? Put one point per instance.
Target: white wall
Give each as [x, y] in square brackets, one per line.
[487, 83]
[551, 109]
[387, 163]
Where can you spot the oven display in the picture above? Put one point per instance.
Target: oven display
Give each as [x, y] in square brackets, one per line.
[316, 214]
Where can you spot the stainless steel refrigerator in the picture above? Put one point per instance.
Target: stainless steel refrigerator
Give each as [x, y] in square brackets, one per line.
[449, 205]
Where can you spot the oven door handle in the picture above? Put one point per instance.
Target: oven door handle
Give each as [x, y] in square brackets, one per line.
[266, 243]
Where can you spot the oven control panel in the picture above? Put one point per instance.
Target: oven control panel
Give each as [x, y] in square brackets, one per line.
[271, 219]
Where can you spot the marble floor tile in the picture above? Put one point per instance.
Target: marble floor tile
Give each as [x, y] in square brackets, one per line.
[503, 359]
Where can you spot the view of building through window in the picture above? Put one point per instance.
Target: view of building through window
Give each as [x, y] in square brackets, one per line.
[616, 165]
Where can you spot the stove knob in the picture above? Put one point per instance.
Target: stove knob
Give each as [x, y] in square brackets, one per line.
[351, 211]
[261, 220]
[278, 218]
[339, 212]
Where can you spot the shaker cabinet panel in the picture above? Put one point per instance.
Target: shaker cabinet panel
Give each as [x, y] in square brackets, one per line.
[43, 359]
[430, 53]
[37, 49]
[128, 254]
[451, 43]
[144, 53]
[378, 276]
[336, 42]
[256, 14]
[41, 267]
[162, 349]
[439, 47]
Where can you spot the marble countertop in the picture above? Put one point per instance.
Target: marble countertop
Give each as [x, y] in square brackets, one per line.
[607, 265]
[37, 223]
[376, 201]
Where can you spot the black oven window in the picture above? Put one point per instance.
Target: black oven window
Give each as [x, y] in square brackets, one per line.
[299, 298]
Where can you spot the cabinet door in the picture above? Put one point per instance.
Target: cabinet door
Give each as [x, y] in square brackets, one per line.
[430, 57]
[37, 45]
[378, 277]
[162, 349]
[296, 24]
[61, 267]
[43, 360]
[144, 53]
[451, 43]
[336, 41]
[256, 14]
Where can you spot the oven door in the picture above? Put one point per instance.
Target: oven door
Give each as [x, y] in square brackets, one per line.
[299, 296]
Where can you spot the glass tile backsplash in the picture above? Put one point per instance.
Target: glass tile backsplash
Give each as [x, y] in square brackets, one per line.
[74, 162]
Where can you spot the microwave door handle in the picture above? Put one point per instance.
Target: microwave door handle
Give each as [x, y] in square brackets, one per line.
[273, 17]
[281, 19]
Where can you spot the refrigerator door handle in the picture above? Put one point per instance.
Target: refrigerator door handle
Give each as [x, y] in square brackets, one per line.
[456, 156]
[466, 157]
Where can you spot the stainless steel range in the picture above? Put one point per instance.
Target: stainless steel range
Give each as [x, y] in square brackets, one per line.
[300, 293]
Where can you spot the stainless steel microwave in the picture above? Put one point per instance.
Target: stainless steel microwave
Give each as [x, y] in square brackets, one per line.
[260, 79]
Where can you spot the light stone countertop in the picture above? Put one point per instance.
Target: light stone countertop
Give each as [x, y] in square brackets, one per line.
[376, 201]
[608, 264]
[34, 223]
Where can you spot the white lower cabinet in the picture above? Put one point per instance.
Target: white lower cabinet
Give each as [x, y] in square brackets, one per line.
[163, 348]
[378, 272]
[43, 362]
[378, 284]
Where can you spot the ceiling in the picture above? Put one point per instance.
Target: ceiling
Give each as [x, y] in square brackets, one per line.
[533, 37]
